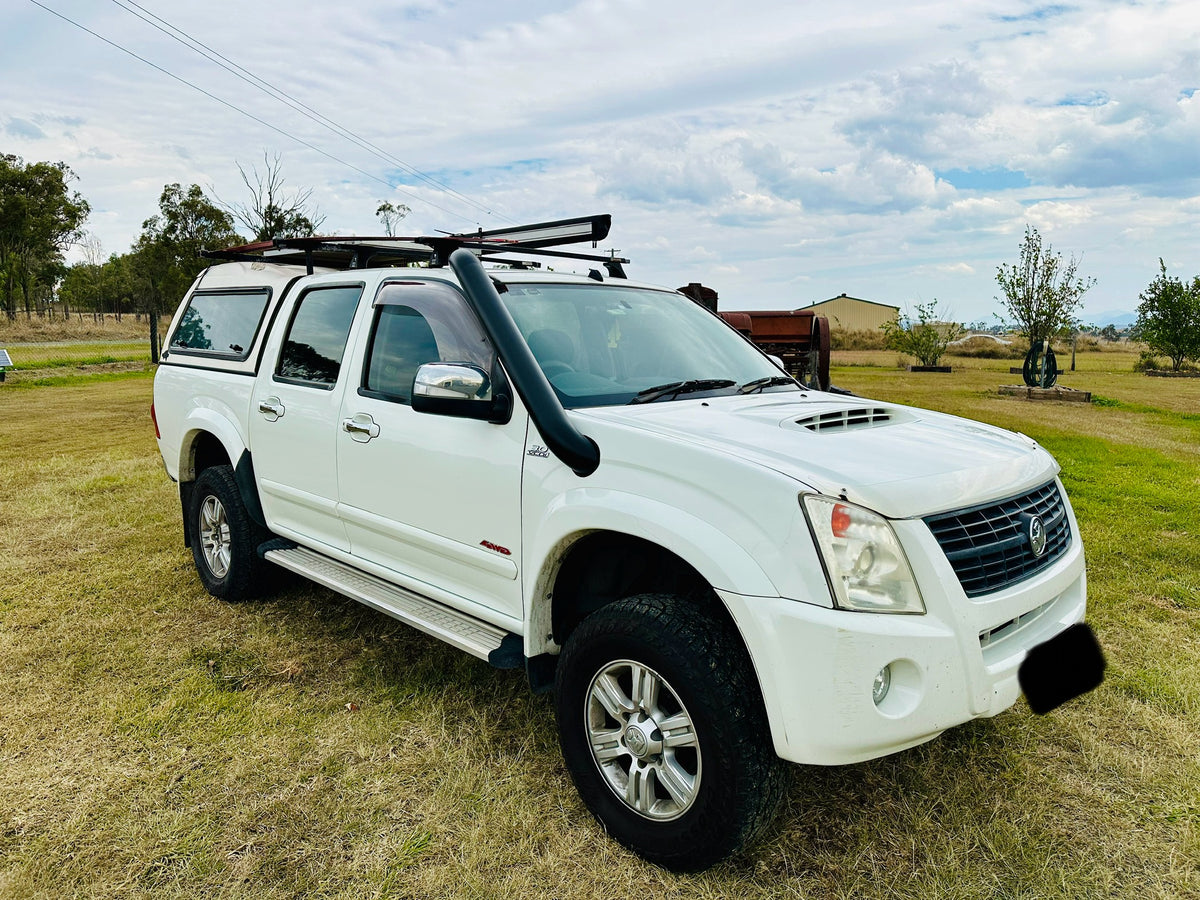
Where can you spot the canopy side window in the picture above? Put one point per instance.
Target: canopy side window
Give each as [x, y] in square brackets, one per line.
[221, 324]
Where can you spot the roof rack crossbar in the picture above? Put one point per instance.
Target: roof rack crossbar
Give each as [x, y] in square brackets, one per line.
[337, 252]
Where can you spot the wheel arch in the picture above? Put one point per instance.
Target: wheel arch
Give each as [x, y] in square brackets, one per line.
[599, 567]
[208, 436]
[213, 441]
[691, 549]
[588, 569]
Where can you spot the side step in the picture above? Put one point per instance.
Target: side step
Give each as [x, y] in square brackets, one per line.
[459, 629]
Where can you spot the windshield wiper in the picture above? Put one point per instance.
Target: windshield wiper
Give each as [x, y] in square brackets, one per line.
[759, 384]
[649, 395]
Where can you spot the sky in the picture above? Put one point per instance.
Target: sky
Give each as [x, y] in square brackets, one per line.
[781, 153]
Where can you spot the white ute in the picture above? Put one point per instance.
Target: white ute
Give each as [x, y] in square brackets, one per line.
[714, 567]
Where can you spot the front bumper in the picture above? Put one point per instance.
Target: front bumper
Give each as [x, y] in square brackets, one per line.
[816, 665]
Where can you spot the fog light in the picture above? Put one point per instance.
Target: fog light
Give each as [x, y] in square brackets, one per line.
[883, 681]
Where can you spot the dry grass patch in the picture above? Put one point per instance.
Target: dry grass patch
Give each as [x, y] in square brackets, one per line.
[157, 743]
[85, 327]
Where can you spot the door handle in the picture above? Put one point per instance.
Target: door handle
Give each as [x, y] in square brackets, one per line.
[361, 428]
[272, 408]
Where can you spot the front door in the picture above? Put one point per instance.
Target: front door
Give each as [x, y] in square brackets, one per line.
[434, 498]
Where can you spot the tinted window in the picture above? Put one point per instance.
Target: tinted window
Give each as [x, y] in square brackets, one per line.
[220, 323]
[415, 324]
[316, 339]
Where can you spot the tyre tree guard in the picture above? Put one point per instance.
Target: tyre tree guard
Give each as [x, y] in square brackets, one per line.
[576, 450]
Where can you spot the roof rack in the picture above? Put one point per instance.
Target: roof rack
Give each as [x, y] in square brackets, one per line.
[434, 250]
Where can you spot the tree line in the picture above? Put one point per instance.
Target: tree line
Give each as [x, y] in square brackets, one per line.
[42, 216]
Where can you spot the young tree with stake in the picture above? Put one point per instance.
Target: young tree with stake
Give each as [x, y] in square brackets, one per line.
[1041, 292]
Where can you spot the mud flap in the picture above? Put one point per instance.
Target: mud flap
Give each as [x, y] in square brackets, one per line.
[1061, 669]
[243, 473]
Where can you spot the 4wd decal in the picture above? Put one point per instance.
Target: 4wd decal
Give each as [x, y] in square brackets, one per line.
[488, 545]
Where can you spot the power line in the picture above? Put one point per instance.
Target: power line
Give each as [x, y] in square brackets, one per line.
[276, 93]
[249, 115]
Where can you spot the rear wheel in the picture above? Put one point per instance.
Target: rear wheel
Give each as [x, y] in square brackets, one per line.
[224, 537]
[663, 731]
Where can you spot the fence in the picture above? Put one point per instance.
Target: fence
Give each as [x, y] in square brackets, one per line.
[41, 347]
[66, 354]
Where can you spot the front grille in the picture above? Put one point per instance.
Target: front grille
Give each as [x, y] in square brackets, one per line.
[989, 546]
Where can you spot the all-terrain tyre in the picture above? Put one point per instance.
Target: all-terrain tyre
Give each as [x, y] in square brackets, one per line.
[225, 538]
[663, 730]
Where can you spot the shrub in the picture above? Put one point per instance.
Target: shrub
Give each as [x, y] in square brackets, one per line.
[1146, 361]
[925, 338]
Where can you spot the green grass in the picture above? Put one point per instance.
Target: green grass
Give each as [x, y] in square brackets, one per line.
[157, 743]
[119, 373]
[61, 354]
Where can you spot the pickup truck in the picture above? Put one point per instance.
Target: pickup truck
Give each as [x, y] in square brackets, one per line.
[715, 567]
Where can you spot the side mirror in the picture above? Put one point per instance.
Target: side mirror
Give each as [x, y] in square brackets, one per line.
[778, 362]
[459, 389]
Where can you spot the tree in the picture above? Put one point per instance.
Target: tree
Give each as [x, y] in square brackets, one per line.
[39, 219]
[166, 258]
[97, 285]
[926, 338]
[1109, 332]
[272, 211]
[390, 215]
[82, 285]
[1169, 317]
[1041, 292]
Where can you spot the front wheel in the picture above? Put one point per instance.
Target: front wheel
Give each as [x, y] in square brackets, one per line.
[663, 731]
[224, 537]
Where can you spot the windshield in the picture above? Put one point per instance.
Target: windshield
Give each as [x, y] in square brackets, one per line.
[602, 345]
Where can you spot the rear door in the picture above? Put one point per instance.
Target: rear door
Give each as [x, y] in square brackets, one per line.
[294, 414]
[431, 497]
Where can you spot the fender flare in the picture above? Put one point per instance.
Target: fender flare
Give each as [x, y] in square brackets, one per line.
[207, 421]
[719, 559]
[220, 426]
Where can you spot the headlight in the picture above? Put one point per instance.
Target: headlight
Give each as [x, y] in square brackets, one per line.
[864, 562]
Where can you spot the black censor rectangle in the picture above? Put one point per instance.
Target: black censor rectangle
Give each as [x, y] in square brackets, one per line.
[1062, 669]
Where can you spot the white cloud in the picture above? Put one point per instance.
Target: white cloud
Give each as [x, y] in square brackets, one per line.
[922, 113]
[653, 166]
[959, 268]
[979, 214]
[1051, 214]
[876, 181]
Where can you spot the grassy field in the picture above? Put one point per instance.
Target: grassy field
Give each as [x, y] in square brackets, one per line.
[157, 743]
